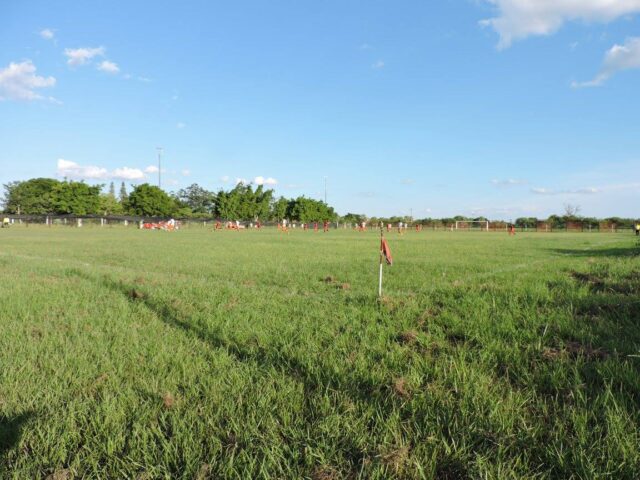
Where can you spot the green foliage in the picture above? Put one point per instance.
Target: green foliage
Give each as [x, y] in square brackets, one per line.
[244, 203]
[124, 196]
[528, 222]
[31, 197]
[280, 208]
[197, 199]
[309, 210]
[77, 198]
[354, 218]
[149, 200]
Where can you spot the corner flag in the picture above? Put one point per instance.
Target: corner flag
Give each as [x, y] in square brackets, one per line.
[385, 253]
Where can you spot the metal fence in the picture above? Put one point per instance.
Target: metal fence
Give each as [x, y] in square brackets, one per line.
[137, 222]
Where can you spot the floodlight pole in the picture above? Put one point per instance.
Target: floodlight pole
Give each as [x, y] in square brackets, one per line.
[325, 190]
[159, 149]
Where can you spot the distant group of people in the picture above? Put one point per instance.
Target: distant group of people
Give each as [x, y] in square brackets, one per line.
[169, 225]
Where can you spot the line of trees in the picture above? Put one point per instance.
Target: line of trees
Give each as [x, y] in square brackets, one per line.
[40, 196]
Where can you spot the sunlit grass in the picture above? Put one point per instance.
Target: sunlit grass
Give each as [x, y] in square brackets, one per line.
[255, 354]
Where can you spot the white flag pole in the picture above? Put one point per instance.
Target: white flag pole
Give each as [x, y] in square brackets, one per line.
[380, 274]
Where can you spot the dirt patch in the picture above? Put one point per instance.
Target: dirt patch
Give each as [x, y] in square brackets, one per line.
[401, 387]
[135, 294]
[325, 473]
[574, 350]
[62, 474]
[204, 472]
[408, 337]
[344, 286]
[168, 400]
[329, 279]
[396, 459]
[231, 304]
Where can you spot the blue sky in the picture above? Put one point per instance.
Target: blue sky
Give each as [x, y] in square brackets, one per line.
[503, 108]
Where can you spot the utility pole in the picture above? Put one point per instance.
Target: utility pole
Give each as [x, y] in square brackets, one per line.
[159, 149]
[325, 190]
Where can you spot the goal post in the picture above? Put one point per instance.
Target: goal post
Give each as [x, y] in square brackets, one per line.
[467, 224]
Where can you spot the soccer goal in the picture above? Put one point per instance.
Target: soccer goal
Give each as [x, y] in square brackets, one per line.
[472, 225]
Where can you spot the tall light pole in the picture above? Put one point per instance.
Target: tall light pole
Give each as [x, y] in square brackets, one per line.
[159, 149]
[325, 190]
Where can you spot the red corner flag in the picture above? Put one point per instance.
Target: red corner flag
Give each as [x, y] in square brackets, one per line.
[386, 251]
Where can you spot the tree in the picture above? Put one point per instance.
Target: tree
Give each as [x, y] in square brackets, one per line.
[109, 204]
[571, 211]
[149, 200]
[309, 210]
[355, 218]
[528, 222]
[124, 196]
[244, 203]
[280, 208]
[197, 199]
[31, 197]
[77, 198]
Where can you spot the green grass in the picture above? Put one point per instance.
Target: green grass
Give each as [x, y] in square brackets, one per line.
[200, 354]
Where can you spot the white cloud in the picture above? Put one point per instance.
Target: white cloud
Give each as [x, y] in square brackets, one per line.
[186, 172]
[82, 56]
[47, 34]
[19, 81]
[579, 191]
[408, 181]
[151, 169]
[241, 181]
[108, 67]
[518, 19]
[225, 179]
[72, 170]
[126, 173]
[265, 181]
[181, 125]
[509, 182]
[69, 169]
[378, 65]
[617, 59]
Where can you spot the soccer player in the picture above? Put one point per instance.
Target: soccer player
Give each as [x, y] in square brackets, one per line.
[638, 229]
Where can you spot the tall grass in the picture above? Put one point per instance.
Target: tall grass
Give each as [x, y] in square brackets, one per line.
[200, 354]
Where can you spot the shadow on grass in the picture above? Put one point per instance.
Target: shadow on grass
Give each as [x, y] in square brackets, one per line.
[630, 251]
[314, 379]
[10, 430]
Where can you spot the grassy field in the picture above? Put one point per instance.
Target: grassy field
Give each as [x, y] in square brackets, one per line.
[200, 354]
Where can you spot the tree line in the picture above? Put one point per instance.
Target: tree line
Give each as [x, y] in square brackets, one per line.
[42, 196]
